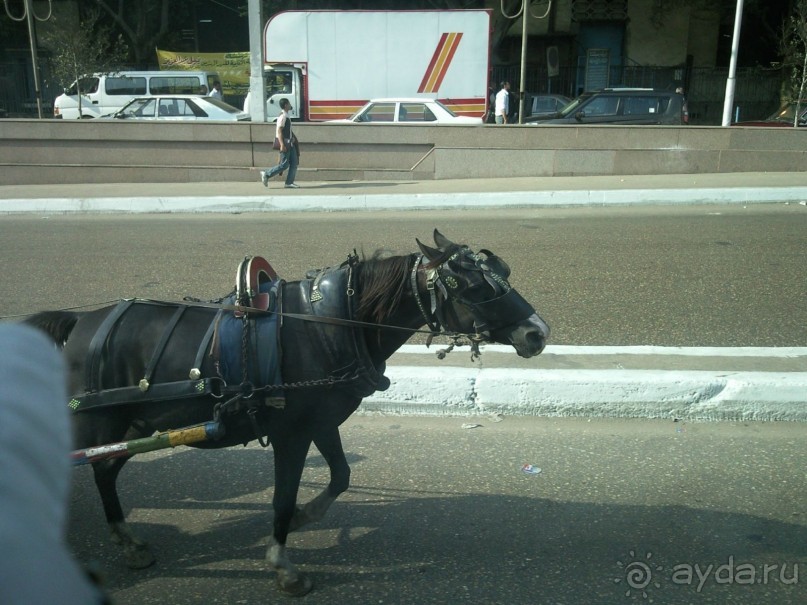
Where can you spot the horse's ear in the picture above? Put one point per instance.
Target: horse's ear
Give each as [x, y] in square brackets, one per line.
[442, 241]
[428, 252]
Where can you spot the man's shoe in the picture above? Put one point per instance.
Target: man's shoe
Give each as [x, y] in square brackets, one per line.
[292, 186]
[264, 178]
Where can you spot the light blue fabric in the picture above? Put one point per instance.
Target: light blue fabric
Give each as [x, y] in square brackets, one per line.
[35, 469]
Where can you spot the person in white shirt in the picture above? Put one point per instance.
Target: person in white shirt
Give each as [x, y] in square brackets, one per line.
[216, 92]
[503, 103]
[289, 154]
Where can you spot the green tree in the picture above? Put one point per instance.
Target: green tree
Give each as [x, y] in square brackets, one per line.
[80, 50]
[794, 53]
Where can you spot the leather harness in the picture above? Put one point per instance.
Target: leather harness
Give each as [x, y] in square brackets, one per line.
[329, 310]
[329, 306]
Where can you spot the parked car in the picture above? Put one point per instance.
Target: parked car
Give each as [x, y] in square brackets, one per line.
[544, 106]
[406, 111]
[179, 107]
[784, 116]
[624, 106]
[106, 93]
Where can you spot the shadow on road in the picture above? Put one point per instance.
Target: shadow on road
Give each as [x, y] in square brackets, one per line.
[207, 515]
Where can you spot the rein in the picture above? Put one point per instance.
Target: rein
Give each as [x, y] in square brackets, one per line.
[434, 325]
[431, 320]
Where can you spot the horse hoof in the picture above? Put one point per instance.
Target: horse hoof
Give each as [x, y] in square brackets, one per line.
[139, 558]
[298, 588]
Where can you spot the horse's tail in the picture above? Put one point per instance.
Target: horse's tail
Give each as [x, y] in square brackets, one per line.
[56, 324]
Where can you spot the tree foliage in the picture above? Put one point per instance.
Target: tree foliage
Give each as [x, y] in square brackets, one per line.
[147, 24]
[86, 49]
[794, 53]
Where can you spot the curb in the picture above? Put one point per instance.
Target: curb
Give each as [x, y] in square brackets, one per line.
[692, 383]
[692, 395]
[416, 201]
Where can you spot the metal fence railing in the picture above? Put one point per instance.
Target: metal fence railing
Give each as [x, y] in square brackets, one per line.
[17, 90]
[756, 96]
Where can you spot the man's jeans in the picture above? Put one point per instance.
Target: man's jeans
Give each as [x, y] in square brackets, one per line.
[288, 161]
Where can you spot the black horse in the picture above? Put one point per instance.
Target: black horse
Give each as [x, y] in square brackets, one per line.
[336, 329]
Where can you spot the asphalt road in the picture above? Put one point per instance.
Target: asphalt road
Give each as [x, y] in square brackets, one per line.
[672, 275]
[439, 514]
[442, 514]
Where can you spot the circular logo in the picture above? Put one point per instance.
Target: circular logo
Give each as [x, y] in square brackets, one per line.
[638, 575]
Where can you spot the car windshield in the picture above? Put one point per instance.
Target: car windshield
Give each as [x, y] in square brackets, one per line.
[88, 85]
[446, 109]
[139, 108]
[385, 111]
[222, 105]
[572, 107]
[788, 113]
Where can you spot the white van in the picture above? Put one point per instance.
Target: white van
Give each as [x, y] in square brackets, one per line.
[102, 94]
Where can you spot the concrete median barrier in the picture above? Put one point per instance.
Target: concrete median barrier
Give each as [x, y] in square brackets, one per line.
[692, 394]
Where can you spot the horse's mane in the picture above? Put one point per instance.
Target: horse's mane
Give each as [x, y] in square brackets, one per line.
[383, 281]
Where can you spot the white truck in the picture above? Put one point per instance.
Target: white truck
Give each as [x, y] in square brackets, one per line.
[330, 63]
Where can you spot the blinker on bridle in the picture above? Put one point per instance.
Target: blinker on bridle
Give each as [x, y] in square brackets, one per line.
[503, 310]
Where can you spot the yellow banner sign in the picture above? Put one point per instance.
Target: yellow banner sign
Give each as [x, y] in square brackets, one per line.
[233, 68]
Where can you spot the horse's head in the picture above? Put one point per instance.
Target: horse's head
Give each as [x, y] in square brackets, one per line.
[475, 297]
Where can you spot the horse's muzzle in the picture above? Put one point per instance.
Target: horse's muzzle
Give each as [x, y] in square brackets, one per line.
[528, 337]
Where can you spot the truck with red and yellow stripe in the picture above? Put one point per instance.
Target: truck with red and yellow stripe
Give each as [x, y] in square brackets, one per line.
[330, 63]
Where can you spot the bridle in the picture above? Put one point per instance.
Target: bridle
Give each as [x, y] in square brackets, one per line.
[431, 278]
[492, 314]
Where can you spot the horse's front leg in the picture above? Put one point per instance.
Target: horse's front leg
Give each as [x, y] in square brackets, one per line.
[329, 444]
[290, 453]
[135, 550]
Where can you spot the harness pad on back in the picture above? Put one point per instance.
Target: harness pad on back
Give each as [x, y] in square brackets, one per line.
[262, 351]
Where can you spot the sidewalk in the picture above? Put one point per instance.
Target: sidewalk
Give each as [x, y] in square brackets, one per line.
[745, 188]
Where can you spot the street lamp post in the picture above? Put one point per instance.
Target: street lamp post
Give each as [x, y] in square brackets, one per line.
[731, 82]
[523, 12]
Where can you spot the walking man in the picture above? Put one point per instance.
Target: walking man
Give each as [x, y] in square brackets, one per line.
[289, 157]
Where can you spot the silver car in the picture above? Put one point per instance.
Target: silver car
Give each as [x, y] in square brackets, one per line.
[180, 107]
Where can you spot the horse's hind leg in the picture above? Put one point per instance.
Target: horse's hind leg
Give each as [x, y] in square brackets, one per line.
[329, 444]
[135, 550]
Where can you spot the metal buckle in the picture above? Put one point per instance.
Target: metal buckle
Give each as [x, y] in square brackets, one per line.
[431, 278]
